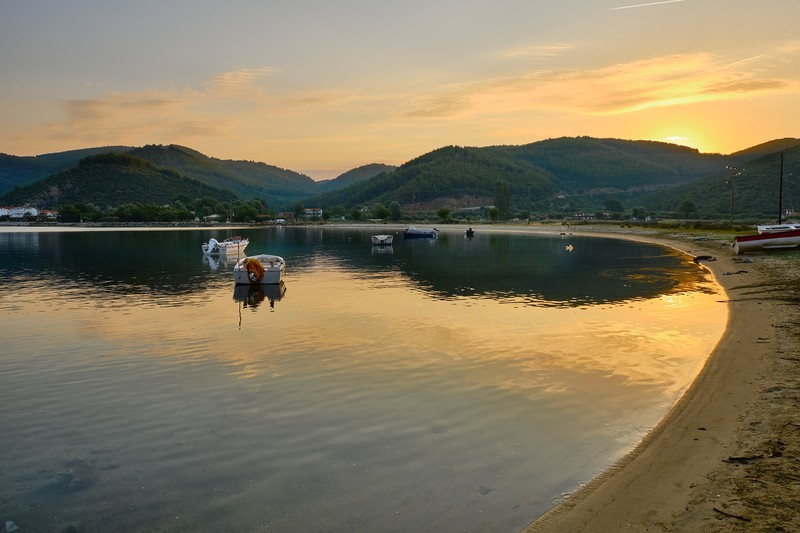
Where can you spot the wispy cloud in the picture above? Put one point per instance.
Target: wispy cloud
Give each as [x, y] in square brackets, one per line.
[534, 51]
[254, 108]
[613, 89]
[237, 83]
[645, 5]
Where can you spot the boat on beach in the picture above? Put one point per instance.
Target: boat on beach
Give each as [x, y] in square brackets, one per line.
[414, 233]
[780, 236]
[382, 240]
[231, 245]
[767, 240]
[777, 228]
[262, 269]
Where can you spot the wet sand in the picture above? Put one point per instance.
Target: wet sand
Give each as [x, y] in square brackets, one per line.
[724, 458]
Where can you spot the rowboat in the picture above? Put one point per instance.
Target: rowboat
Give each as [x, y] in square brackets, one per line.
[382, 240]
[413, 233]
[262, 269]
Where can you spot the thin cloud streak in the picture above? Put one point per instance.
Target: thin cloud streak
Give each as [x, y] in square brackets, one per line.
[609, 90]
[644, 5]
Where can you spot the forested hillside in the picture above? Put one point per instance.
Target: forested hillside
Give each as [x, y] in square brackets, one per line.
[110, 180]
[554, 177]
[17, 170]
[448, 174]
[748, 193]
[585, 164]
[351, 177]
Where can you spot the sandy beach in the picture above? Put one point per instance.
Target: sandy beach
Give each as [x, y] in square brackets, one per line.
[724, 458]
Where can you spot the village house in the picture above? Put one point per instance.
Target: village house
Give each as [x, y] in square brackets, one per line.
[18, 212]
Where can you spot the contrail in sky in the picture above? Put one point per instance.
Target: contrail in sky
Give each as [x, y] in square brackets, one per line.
[645, 5]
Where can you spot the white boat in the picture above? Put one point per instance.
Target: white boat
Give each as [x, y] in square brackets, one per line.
[231, 245]
[382, 240]
[778, 228]
[766, 241]
[414, 233]
[263, 269]
[778, 236]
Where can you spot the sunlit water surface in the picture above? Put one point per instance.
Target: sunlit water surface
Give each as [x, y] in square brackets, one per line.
[446, 385]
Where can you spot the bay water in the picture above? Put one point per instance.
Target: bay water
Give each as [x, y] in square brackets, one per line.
[451, 384]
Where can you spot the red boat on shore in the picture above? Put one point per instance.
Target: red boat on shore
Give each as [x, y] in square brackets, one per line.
[768, 238]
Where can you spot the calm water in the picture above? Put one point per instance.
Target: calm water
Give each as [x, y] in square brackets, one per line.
[447, 385]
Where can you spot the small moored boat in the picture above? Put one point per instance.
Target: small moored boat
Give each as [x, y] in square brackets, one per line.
[413, 233]
[382, 240]
[469, 232]
[262, 269]
[231, 245]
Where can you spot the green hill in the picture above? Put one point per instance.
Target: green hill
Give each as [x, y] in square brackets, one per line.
[353, 176]
[247, 179]
[109, 180]
[748, 193]
[584, 165]
[23, 170]
[555, 176]
[448, 175]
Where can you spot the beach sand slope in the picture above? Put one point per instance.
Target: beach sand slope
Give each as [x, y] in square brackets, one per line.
[726, 456]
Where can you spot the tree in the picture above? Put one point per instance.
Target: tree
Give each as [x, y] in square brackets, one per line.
[443, 213]
[395, 211]
[687, 207]
[493, 214]
[502, 198]
[355, 213]
[614, 205]
[245, 213]
[381, 212]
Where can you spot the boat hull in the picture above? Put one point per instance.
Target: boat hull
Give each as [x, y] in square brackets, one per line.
[231, 246]
[783, 240]
[382, 240]
[273, 267]
[414, 233]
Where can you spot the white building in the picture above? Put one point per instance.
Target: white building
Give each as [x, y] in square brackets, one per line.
[22, 212]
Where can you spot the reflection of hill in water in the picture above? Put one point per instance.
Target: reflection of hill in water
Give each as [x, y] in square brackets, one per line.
[160, 263]
[541, 270]
[533, 269]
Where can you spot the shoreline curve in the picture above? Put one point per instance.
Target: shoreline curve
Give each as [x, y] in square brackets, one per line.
[694, 470]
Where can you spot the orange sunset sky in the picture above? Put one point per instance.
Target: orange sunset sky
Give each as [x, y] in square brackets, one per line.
[320, 87]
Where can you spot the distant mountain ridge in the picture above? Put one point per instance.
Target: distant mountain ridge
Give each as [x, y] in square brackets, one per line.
[560, 174]
[134, 180]
[246, 179]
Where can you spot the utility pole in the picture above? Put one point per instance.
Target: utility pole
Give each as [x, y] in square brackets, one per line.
[736, 172]
[780, 195]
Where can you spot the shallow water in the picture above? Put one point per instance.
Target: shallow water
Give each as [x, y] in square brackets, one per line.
[454, 384]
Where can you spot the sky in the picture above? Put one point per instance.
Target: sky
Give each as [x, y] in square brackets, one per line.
[321, 86]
